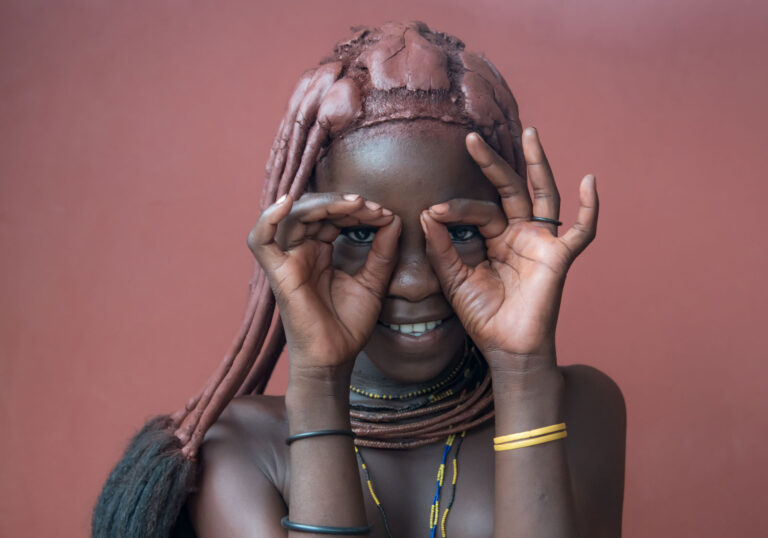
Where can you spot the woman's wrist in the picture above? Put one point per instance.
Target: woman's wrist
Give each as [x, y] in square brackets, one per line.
[527, 400]
[318, 398]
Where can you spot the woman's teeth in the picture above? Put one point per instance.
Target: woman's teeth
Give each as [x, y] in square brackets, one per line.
[416, 329]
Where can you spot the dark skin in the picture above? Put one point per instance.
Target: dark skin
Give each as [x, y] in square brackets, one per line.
[409, 224]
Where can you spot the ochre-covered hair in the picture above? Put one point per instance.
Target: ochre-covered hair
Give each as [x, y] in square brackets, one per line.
[394, 72]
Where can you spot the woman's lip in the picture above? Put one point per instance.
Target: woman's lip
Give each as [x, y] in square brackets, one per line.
[420, 319]
[426, 338]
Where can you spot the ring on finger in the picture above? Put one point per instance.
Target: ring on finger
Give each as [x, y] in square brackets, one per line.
[548, 221]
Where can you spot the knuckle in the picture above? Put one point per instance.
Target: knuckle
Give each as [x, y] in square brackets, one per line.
[378, 258]
[250, 240]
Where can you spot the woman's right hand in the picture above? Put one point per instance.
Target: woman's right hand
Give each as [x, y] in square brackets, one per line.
[328, 314]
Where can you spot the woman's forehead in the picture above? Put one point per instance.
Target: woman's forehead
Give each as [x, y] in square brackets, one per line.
[403, 159]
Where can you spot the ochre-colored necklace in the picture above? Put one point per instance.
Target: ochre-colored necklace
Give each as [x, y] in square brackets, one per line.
[456, 406]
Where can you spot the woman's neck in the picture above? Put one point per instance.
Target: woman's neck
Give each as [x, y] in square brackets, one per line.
[368, 380]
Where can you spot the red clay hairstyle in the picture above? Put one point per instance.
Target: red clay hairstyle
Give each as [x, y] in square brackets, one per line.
[394, 72]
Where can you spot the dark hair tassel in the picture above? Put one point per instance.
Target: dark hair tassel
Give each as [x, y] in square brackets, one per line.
[146, 491]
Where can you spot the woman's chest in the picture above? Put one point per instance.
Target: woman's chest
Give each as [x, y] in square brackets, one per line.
[406, 485]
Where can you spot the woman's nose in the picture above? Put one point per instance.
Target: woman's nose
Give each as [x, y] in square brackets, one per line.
[413, 278]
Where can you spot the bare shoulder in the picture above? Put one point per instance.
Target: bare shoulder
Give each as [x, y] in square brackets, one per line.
[591, 394]
[251, 428]
[597, 421]
[243, 471]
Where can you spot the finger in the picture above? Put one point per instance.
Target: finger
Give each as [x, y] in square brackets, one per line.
[362, 220]
[445, 260]
[305, 219]
[487, 216]
[584, 229]
[329, 229]
[546, 198]
[514, 194]
[312, 207]
[371, 214]
[261, 239]
[377, 270]
[323, 231]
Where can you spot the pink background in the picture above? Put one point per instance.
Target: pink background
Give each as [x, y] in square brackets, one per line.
[132, 143]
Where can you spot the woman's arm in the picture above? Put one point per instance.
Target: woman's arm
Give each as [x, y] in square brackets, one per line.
[325, 482]
[533, 494]
[509, 306]
[328, 316]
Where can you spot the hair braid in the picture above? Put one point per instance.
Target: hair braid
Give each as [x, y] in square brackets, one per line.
[395, 72]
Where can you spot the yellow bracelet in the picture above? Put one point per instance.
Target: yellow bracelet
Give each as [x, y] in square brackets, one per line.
[528, 434]
[530, 442]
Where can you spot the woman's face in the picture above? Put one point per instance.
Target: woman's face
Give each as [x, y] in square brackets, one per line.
[407, 167]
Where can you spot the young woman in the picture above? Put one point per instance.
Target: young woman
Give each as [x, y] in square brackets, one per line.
[418, 284]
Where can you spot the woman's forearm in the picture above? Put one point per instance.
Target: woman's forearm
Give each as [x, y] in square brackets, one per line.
[324, 480]
[533, 496]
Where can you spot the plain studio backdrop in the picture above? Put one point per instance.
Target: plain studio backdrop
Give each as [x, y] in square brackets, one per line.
[132, 147]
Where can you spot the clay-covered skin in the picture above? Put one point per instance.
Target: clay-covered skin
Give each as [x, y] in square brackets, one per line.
[398, 71]
[407, 167]
[390, 174]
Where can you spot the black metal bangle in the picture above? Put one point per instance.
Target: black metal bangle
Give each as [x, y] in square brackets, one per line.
[319, 529]
[318, 433]
[548, 221]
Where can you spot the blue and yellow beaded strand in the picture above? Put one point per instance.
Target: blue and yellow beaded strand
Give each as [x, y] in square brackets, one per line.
[453, 483]
[434, 513]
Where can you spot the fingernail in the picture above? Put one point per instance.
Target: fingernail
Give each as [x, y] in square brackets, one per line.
[371, 205]
[439, 208]
[386, 212]
[351, 197]
[282, 199]
[423, 224]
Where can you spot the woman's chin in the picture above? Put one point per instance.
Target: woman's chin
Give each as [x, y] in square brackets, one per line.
[409, 356]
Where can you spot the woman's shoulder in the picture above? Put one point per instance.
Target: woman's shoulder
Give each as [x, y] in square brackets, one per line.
[596, 416]
[250, 431]
[588, 385]
[594, 407]
[243, 470]
[244, 413]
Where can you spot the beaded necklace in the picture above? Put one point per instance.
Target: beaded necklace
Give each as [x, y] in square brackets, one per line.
[434, 510]
[450, 406]
[461, 400]
[414, 394]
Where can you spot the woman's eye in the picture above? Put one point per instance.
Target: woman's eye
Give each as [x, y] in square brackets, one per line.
[460, 234]
[363, 236]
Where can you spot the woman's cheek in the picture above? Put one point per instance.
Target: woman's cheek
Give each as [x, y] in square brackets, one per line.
[349, 257]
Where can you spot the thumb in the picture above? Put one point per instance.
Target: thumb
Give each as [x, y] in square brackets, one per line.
[451, 270]
[375, 274]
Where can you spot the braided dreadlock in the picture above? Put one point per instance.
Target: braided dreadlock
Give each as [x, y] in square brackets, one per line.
[395, 72]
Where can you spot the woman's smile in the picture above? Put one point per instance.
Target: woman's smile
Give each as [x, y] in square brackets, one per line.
[415, 329]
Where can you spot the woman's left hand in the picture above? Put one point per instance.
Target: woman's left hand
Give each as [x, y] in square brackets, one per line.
[509, 303]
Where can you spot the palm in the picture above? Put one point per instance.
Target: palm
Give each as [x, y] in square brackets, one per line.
[521, 281]
[510, 302]
[328, 314]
